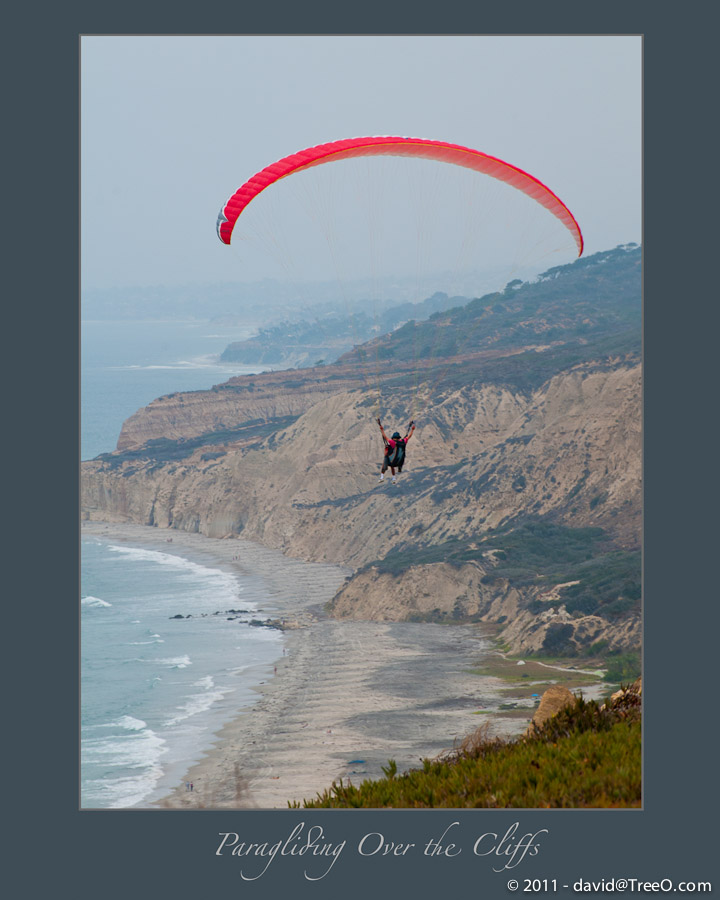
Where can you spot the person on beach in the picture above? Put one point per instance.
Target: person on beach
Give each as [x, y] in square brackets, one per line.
[394, 457]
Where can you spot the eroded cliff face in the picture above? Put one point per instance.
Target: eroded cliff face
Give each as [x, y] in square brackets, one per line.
[273, 395]
[419, 593]
[302, 478]
[443, 592]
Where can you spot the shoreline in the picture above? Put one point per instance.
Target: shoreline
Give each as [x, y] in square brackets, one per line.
[296, 592]
[346, 696]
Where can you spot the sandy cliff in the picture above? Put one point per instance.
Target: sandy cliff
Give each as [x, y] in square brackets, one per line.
[291, 460]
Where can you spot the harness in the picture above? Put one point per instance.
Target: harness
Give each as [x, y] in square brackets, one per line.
[396, 454]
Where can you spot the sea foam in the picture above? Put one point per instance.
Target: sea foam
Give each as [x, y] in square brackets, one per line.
[127, 746]
[176, 662]
[198, 704]
[94, 601]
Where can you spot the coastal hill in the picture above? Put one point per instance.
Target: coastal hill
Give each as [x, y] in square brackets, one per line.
[520, 503]
[329, 333]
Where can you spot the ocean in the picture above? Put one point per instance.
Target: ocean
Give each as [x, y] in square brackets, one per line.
[156, 689]
[127, 364]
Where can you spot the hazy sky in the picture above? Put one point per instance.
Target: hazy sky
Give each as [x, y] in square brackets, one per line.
[171, 126]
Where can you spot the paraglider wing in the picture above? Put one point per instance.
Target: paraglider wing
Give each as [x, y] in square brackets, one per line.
[395, 146]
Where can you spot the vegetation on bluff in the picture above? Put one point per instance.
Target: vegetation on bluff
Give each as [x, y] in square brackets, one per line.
[594, 299]
[587, 755]
[539, 553]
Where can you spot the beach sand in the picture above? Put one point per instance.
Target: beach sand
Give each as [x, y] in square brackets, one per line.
[347, 696]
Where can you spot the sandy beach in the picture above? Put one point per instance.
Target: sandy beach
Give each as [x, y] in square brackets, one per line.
[346, 696]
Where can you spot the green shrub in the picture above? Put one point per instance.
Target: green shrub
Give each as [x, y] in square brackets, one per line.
[623, 667]
[585, 756]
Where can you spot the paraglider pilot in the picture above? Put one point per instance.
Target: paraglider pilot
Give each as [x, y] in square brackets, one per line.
[394, 451]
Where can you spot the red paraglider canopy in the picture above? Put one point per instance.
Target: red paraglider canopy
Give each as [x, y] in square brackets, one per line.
[395, 146]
